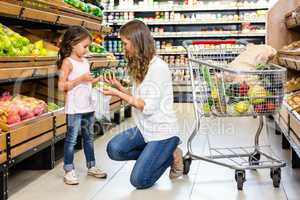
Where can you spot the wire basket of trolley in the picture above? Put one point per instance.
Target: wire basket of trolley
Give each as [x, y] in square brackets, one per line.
[220, 90]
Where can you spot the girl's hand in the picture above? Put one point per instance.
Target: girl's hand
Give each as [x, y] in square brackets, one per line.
[112, 80]
[86, 77]
[109, 91]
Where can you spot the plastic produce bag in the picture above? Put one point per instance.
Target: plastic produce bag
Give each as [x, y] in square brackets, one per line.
[101, 103]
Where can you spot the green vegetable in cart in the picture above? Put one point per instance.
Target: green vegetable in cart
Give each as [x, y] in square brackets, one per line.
[206, 76]
[210, 101]
[206, 108]
[214, 93]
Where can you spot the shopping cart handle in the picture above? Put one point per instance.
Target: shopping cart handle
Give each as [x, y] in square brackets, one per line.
[214, 42]
[186, 43]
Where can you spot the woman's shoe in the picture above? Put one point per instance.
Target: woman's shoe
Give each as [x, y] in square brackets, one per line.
[177, 165]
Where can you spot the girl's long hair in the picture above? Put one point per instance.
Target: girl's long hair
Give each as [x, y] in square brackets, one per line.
[73, 36]
[144, 49]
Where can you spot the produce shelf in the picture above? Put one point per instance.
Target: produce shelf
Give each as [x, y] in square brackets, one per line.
[290, 59]
[51, 13]
[28, 67]
[289, 123]
[202, 35]
[185, 9]
[120, 23]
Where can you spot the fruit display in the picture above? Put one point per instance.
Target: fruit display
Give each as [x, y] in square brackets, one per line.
[13, 44]
[293, 84]
[85, 7]
[18, 108]
[294, 101]
[96, 48]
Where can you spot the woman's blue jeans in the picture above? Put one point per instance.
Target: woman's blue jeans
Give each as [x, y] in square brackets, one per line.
[152, 158]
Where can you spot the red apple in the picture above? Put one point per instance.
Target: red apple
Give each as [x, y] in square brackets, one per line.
[23, 111]
[13, 118]
[29, 115]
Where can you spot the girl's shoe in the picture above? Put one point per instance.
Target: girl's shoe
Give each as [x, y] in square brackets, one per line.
[70, 178]
[97, 172]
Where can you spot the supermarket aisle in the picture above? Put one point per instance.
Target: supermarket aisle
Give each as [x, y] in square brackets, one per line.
[202, 183]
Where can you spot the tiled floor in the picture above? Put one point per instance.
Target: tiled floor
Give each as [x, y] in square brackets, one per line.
[205, 181]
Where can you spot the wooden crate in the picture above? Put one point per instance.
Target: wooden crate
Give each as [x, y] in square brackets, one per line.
[69, 20]
[9, 8]
[25, 61]
[14, 73]
[60, 123]
[31, 144]
[289, 59]
[61, 130]
[284, 114]
[60, 118]
[36, 15]
[295, 126]
[3, 156]
[31, 133]
[27, 130]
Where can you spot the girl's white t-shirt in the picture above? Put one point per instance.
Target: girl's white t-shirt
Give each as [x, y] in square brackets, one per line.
[79, 98]
[158, 120]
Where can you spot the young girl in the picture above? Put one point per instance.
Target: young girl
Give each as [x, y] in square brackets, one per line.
[76, 81]
[153, 142]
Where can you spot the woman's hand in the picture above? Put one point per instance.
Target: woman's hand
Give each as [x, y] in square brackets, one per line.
[112, 80]
[109, 91]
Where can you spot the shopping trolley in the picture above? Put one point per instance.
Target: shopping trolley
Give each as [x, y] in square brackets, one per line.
[220, 90]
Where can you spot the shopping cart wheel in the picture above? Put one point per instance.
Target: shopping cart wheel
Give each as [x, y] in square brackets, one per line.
[240, 177]
[275, 174]
[254, 158]
[186, 164]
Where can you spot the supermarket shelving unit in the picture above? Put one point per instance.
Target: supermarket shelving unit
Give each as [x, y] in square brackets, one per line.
[36, 143]
[279, 35]
[177, 31]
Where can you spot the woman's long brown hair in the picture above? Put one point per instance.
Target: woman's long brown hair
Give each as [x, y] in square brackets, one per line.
[144, 49]
[73, 36]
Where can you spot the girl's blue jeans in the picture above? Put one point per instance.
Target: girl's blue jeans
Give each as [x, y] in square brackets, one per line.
[75, 123]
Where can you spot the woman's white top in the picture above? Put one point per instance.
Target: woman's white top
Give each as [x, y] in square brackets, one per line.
[157, 121]
[79, 98]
